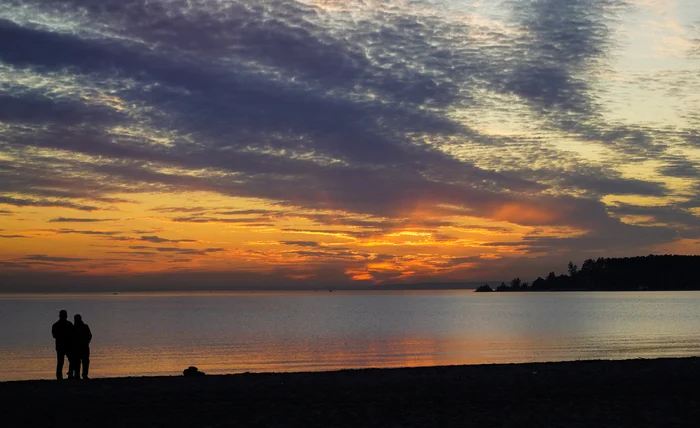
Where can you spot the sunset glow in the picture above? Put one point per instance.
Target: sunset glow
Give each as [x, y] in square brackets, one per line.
[255, 144]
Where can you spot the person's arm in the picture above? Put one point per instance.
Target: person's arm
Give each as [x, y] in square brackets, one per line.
[53, 331]
[89, 334]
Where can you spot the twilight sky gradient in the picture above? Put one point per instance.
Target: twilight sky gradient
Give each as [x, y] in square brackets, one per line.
[212, 143]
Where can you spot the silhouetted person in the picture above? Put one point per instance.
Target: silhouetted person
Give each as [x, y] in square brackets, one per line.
[62, 331]
[81, 346]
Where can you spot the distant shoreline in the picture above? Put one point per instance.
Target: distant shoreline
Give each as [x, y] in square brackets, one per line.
[645, 273]
[15, 294]
[597, 290]
[626, 393]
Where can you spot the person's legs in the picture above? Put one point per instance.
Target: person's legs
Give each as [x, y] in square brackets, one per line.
[86, 362]
[75, 366]
[71, 364]
[59, 363]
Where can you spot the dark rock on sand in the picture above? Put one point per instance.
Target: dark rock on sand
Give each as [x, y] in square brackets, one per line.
[192, 371]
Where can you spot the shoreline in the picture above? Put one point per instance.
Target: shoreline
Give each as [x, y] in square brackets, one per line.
[620, 393]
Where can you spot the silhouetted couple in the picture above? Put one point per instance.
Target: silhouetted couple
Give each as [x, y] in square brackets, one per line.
[72, 341]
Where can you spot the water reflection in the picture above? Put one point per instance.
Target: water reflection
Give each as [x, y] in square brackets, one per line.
[138, 335]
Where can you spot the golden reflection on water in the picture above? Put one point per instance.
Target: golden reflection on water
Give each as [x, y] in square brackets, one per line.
[283, 356]
[156, 335]
[270, 357]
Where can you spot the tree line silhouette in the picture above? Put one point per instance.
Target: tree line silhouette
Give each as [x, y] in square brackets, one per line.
[653, 272]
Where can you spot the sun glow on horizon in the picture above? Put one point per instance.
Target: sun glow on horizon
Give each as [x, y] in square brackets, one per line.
[354, 142]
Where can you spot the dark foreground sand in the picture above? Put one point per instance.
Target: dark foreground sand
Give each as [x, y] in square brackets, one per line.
[635, 393]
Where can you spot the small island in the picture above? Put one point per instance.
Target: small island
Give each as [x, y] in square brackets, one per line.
[653, 272]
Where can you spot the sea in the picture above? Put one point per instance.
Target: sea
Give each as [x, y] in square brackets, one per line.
[161, 334]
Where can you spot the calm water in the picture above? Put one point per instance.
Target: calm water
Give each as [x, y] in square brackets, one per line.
[139, 334]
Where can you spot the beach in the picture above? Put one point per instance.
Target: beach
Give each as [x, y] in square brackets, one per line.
[627, 393]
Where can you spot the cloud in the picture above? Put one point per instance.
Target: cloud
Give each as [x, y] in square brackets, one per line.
[180, 209]
[363, 119]
[257, 43]
[250, 212]
[301, 243]
[695, 41]
[19, 202]
[245, 221]
[22, 280]
[300, 104]
[562, 43]
[680, 167]
[684, 222]
[147, 250]
[158, 239]
[53, 259]
[328, 232]
[140, 253]
[86, 232]
[204, 251]
[78, 220]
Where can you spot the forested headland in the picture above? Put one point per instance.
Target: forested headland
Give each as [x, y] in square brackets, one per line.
[662, 272]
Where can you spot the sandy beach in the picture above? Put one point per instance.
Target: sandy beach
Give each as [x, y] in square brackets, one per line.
[632, 393]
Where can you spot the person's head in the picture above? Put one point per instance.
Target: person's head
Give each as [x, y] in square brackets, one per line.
[78, 319]
[63, 314]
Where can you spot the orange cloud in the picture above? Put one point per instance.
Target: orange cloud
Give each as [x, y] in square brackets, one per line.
[522, 213]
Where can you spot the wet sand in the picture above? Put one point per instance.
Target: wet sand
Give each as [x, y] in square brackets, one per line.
[633, 393]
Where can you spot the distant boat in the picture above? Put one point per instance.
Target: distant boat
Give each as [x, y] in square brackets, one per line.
[114, 294]
[330, 291]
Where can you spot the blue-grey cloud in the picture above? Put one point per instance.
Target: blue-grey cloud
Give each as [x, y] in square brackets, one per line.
[21, 202]
[563, 42]
[680, 167]
[282, 101]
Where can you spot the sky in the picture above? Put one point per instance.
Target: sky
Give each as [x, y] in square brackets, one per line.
[310, 143]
